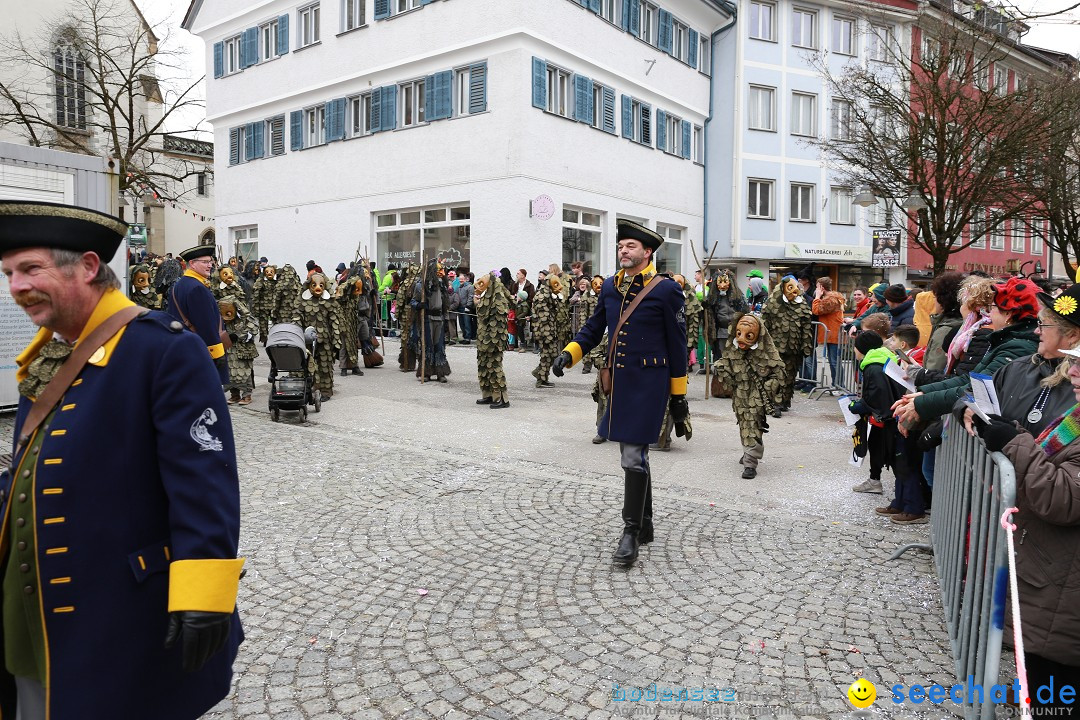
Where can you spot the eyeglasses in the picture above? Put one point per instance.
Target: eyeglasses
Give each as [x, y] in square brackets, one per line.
[1047, 325]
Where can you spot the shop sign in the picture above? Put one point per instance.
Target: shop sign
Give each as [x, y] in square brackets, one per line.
[827, 253]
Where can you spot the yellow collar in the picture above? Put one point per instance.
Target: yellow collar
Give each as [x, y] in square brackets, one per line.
[645, 274]
[192, 274]
[112, 301]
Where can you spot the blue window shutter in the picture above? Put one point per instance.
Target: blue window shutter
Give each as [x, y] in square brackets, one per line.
[646, 124]
[691, 50]
[260, 138]
[296, 130]
[389, 107]
[282, 35]
[249, 143]
[627, 117]
[431, 111]
[382, 9]
[375, 114]
[250, 46]
[634, 25]
[477, 88]
[583, 110]
[219, 59]
[609, 111]
[335, 120]
[686, 139]
[594, 5]
[661, 130]
[667, 29]
[539, 83]
[234, 146]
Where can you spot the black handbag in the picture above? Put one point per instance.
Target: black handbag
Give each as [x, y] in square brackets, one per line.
[931, 436]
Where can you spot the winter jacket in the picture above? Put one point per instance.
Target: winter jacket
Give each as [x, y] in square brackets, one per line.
[1012, 341]
[1018, 389]
[528, 287]
[829, 309]
[1048, 547]
[942, 330]
[872, 308]
[902, 314]
[924, 305]
[879, 391]
[976, 351]
[723, 307]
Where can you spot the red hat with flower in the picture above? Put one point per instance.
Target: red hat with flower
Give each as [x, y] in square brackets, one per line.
[1017, 296]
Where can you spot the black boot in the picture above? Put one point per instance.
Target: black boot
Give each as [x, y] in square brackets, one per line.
[635, 487]
[344, 372]
[646, 535]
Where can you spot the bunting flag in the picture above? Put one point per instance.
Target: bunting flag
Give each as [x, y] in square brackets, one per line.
[146, 189]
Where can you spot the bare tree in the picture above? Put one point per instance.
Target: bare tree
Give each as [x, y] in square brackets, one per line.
[938, 121]
[88, 82]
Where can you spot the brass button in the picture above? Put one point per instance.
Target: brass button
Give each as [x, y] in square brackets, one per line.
[22, 497]
[24, 568]
[620, 365]
[21, 522]
[22, 544]
[621, 354]
[26, 473]
[29, 589]
[35, 450]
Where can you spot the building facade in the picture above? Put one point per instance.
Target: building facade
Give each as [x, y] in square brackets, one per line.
[487, 134]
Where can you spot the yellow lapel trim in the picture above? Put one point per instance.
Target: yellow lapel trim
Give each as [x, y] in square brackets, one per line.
[646, 274]
[196, 276]
[110, 303]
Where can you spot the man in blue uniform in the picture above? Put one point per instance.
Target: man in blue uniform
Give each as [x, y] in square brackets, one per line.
[192, 303]
[120, 513]
[648, 371]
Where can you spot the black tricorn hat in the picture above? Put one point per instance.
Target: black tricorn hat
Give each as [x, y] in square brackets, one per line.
[198, 251]
[630, 230]
[1066, 305]
[65, 227]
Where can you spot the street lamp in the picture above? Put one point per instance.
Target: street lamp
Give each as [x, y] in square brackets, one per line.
[914, 201]
[865, 199]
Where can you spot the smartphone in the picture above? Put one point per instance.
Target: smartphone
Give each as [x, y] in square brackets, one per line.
[903, 356]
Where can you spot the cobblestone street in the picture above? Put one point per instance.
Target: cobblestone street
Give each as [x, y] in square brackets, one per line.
[413, 555]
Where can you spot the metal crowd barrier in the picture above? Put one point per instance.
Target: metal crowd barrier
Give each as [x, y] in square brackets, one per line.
[972, 488]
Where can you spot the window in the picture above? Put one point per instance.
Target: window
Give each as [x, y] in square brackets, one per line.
[997, 231]
[843, 35]
[353, 14]
[761, 106]
[697, 153]
[202, 188]
[558, 91]
[359, 108]
[69, 73]
[977, 228]
[246, 240]
[314, 124]
[268, 40]
[673, 139]
[309, 25]
[802, 202]
[469, 90]
[238, 142]
[412, 103]
[879, 43]
[880, 215]
[401, 6]
[803, 114]
[668, 257]
[763, 21]
[1037, 239]
[705, 53]
[803, 28]
[843, 120]
[649, 19]
[1001, 79]
[680, 36]
[1017, 244]
[881, 121]
[598, 106]
[581, 238]
[636, 120]
[232, 55]
[842, 210]
[275, 130]
[760, 203]
[609, 10]
[930, 52]
[412, 236]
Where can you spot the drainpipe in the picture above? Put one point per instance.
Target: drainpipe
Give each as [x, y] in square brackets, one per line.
[732, 10]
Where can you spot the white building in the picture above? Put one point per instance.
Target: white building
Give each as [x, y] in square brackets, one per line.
[491, 134]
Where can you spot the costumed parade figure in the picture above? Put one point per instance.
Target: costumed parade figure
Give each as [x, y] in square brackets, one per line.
[723, 302]
[694, 312]
[752, 368]
[367, 304]
[588, 305]
[407, 317]
[318, 310]
[227, 284]
[545, 327]
[141, 293]
[757, 294]
[787, 316]
[348, 295]
[287, 301]
[431, 302]
[168, 272]
[264, 295]
[492, 301]
[191, 303]
[648, 372]
[561, 290]
[241, 326]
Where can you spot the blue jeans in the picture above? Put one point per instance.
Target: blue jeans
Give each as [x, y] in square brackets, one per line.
[832, 353]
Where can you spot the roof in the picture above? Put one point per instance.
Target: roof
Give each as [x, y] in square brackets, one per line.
[189, 16]
[188, 146]
[1048, 57]
[145, 24]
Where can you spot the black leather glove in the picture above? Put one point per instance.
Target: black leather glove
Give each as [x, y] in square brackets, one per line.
[201, 635]
[680, 413]
[997, 433]
[562, 361]
[234, 337]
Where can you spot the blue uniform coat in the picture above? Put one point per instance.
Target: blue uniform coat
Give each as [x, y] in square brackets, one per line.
[650, 355]
[191, 302]
[136, 512]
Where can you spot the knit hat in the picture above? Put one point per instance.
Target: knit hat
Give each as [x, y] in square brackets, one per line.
[755, 273]
[896, 293]
[1065, 306]
[878, 291]
[340, 267]
[867, 340]
[1018, 297]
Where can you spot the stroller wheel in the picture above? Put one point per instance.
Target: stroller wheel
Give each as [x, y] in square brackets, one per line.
[275, 415]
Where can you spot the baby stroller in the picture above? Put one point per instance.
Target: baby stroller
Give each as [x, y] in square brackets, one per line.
[287, 348]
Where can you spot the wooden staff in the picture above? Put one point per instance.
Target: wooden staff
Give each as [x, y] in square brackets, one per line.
[705, 290]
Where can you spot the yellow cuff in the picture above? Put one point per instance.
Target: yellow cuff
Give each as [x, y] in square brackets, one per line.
[216, 351]
[678, 385]
[206, 585]
[575, 352]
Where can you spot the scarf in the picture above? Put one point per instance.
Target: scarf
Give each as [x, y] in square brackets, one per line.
[1061, 432]
[962, 339]
[44, 367]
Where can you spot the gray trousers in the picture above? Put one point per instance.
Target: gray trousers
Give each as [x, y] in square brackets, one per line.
[634, 457]
[31, 695]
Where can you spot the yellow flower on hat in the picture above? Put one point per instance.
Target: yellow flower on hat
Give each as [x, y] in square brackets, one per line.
[1065, 305]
